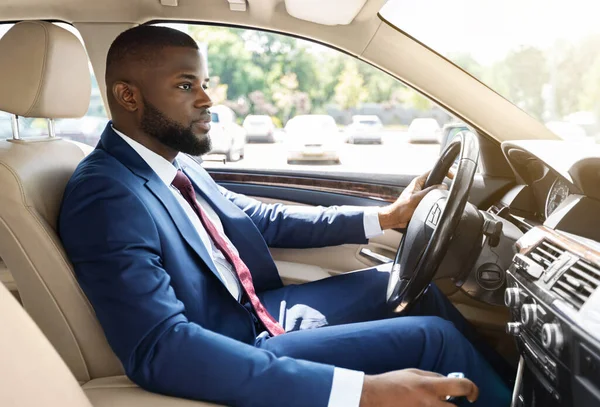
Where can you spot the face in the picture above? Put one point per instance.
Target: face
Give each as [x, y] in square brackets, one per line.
[175, 106]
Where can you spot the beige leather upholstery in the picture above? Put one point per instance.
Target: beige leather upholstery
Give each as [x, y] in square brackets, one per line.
[31, 373]
[119, 391]
[7, 279]
[43, 72]
[33, 175]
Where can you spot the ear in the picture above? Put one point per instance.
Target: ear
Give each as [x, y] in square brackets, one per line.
[126, 95]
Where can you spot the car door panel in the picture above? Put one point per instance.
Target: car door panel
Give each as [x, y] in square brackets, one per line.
[298, 266]
[329, 260]
[339, 189]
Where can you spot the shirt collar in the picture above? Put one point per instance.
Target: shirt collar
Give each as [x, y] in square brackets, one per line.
[165, 170]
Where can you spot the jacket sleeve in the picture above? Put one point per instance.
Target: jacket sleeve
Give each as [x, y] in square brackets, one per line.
[294, 226]
[113, 243]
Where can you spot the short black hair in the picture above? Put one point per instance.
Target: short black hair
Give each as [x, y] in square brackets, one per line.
[143, 42]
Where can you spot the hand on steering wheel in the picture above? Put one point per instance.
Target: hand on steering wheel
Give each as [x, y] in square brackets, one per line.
[397, 215]
[433, 223]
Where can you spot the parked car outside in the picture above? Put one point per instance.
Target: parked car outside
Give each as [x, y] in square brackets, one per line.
[569, 132]
[227, 137]
[313, 137]
[259, 128]
[424, 130]
[449, 131]
[364, 129]
[588, 121]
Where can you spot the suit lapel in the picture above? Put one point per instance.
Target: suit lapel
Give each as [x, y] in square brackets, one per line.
[239, 228]
[118, 148]
[206, 189]
[181, 220]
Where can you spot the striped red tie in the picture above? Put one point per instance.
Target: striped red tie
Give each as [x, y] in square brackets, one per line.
[183, 184]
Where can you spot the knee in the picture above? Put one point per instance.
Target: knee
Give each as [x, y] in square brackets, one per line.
[445, 348]
[439, 333]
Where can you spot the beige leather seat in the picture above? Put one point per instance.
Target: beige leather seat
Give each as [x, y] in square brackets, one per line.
[33, 374]
[44, 73]
[7, 279]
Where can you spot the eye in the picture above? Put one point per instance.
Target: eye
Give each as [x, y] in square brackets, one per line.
[185, 86]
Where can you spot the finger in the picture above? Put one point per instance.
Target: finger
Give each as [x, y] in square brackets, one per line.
[420, 180]
[456, 387]
[431, 188]
[425, 373]
[451, 173]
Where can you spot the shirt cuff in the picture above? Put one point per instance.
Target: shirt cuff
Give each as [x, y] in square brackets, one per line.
[371, 222]
[346, 388]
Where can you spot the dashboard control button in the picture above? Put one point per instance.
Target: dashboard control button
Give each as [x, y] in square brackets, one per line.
[513, 297]
[513, 328]
[529, 315]
[552, 336]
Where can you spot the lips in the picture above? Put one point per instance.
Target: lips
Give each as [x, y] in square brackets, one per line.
[204, 125]
[203, 122]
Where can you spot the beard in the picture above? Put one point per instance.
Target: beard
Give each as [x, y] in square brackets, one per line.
[173, 134]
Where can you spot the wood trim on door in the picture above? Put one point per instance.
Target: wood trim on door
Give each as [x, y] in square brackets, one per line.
[386, 193]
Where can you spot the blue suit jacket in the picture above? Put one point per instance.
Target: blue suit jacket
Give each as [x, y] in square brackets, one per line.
[155, 289]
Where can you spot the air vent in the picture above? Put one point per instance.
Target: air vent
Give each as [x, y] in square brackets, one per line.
[545, 254]
[577, 283]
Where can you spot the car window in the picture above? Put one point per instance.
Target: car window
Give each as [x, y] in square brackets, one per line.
[86, 129]
[329, 111]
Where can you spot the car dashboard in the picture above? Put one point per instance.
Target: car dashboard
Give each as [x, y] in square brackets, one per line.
[552, 284]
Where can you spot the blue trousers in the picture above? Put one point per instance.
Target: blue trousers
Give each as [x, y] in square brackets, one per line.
[356, 330]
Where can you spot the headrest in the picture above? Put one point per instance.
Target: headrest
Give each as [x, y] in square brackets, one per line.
[44, 72]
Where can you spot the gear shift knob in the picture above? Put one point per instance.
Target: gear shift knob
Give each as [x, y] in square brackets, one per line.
[452, 399]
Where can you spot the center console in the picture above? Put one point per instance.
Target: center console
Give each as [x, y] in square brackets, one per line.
[554, 299]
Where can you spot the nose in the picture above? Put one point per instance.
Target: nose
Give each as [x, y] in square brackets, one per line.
[202, 99]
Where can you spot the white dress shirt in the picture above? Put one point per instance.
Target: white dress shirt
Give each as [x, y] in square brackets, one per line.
[347, 384]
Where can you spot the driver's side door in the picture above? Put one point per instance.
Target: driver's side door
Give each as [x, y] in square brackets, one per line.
[367, 161]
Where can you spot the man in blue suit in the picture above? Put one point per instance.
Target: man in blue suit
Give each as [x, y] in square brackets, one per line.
[180, 276]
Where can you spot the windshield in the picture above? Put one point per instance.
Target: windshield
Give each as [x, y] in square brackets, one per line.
[542, 55]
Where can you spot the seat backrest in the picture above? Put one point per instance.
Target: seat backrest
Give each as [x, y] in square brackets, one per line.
[44, 73]
[31, 372]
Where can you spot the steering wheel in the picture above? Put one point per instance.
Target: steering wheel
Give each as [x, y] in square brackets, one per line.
[433, 223]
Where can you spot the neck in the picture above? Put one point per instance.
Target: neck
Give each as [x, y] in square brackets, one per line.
[147, 141]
